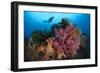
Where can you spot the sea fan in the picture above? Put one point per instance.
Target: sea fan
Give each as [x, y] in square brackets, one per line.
[68, 39]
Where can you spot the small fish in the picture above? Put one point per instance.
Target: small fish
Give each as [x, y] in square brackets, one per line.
[49, 20]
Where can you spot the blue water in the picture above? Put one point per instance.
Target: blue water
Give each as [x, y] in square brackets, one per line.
[35, 21]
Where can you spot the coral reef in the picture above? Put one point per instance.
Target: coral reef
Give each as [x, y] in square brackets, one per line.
[62, 42]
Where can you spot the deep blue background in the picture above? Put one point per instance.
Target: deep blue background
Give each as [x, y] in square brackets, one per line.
[35, 21]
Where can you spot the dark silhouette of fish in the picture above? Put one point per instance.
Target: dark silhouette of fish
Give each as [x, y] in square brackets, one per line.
[49, 20]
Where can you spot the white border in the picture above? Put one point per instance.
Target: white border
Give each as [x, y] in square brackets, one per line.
[22, 64]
